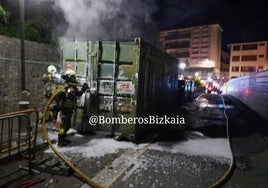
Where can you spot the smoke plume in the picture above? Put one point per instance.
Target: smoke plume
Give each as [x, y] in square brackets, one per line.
[109, 19]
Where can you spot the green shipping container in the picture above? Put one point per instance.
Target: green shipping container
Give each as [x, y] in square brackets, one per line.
[130, 82]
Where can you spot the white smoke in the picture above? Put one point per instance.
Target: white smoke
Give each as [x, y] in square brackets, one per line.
[109, 19]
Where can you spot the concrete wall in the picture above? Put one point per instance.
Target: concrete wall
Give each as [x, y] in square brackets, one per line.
[37, 58]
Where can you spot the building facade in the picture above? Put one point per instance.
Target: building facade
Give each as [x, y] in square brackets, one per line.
[198, 49]
[224, 66]
[246, 58]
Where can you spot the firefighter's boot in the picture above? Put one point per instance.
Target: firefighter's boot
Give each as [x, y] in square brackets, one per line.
[66, 140]
[61, 141]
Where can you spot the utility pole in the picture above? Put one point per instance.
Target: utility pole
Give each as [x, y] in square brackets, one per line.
[22, 45]
[23, 103]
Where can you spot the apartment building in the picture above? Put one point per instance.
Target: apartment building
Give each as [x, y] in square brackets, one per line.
[198, 49]
[224, 66]
[249, 57]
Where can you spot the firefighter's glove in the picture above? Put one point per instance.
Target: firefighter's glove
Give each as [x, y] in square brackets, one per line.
[84, 87]
[45, 79]
[64, 77]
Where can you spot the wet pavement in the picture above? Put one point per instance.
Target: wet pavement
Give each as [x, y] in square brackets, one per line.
[197, 156]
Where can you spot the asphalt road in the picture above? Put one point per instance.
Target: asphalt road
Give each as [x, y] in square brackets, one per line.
[248, 134]
[196, 155]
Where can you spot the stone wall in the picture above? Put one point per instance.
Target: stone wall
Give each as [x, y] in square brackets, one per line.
[37, 58]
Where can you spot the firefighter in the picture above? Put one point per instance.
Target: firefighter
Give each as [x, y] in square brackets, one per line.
[49, 88]
[66, 102]
[49, 81]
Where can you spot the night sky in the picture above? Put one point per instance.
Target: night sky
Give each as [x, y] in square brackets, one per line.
[241, 21]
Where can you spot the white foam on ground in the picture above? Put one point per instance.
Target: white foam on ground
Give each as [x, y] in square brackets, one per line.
[214, 147]
[94, 147]
[97, 147]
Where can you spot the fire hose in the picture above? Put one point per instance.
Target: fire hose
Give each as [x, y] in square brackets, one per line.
[231, 168]
[83, 176]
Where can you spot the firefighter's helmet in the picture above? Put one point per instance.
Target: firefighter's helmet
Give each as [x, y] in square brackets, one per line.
[70, 72]
[51, 69]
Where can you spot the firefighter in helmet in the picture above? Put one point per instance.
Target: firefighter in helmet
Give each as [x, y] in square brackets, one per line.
[49, 81]
[66, 102]
[49, 88]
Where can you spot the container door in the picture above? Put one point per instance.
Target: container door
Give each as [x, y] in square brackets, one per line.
[115, 74]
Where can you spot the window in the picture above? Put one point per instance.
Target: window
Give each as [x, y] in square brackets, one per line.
[204, 49]
[249, 58]
[170, 45]
[204, 40]
[180, 54]
[249, 47]
[205, 59]
[235, 69]
[262, 44]
[236, 58]
[261, 56]
[196, 31]
[205, 30]
[236, 48]
[184, 44]
[194, 61]
[248, 69]
[178, 35]
[172, 35]
[205, 35]
[195, 41]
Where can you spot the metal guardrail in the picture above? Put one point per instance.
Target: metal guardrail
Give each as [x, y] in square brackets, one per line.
[18, 133]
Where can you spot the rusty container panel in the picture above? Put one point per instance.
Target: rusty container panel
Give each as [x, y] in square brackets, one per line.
[130, 79]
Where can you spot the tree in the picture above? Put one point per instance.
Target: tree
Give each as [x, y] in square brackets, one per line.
[40, 21]
[3, 15]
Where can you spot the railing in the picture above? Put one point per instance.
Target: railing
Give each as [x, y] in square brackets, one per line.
[18, 133]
